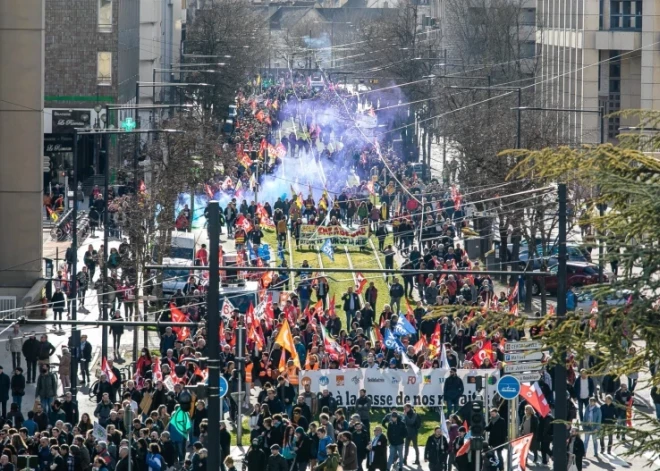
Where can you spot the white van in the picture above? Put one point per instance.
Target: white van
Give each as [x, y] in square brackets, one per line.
[176, 278]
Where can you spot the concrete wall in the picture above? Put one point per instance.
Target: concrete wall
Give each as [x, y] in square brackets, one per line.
[21, 146]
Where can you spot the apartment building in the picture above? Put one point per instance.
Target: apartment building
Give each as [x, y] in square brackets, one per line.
[598, 54]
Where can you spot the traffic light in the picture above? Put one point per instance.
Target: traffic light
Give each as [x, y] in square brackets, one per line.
[477, 424]
[477, 419]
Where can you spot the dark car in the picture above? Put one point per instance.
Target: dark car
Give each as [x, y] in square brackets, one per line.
[578, 274]
[574, 252]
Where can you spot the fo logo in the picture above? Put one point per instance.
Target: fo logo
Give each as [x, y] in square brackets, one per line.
[355, 379]
[427, 379]
[324, 380]
[340, 380]
[306, 381]
[412, 379]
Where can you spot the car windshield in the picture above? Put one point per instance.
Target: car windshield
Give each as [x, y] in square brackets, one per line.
[590, 271]
[241, 301]
[175, 274]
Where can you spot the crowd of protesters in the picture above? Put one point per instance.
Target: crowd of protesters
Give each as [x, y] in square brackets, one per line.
[291, 426]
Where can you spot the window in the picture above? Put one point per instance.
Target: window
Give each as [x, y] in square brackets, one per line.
[528, 16]
[104, 68]
[626, 14]
[614, 95]
[105, 16]
[527, 50]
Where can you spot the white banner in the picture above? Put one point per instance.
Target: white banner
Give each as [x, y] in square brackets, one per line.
[388, 388]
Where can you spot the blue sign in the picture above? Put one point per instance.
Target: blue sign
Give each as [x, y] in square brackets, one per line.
[224, 386]
[508, 387]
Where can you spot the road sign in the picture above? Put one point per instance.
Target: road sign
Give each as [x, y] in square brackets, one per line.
[508, 387]
[523, 367]
[527, 377]
[224, 387]
[531, 356]
[524, 345]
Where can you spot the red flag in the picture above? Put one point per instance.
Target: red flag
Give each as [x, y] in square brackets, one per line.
[249, 315]
[155, 369]
[107, 371]
[465, 424]
[514, 295]
[436, 336]
[535, 398]
[420, 345]
[464, 449]
[266, 278]
[177, 316]
[485, 349]
[243, 222]
[331, 308]
[361, 282]
[519, 451]
[514, 310]
[209, 191]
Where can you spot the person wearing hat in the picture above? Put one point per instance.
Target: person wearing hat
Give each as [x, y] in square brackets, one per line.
[276, 462]
[255, 458]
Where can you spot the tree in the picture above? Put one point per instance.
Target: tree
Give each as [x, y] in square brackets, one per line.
[232, 33]
[401, 51]
[628, 181]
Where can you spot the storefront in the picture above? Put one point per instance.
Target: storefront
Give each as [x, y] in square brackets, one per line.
[59, 125]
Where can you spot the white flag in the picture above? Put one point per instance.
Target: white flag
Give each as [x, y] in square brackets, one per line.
[99, 433]
[443, 357]
[407, 361]
[227, 309]
[443, 424]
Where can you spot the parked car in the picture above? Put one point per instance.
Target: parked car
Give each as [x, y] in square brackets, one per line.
[613, 298]
[575, 253]
[578, 274]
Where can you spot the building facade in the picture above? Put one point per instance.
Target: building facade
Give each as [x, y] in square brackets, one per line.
[598, 54]
[161, 29]
[21, 119]
[92, 61]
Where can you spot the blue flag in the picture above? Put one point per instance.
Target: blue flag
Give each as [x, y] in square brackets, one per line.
[393, 343]
[328, 250]
[404, 327]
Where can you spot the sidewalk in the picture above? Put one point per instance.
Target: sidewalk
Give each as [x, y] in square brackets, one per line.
[59, 338]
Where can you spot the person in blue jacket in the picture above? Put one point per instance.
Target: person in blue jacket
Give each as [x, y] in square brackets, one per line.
[155, 461]
[571, 299]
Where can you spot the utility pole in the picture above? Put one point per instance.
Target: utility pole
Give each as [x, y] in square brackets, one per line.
[104, 274]
[75, 333]
[560, 436]
[212, 300]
